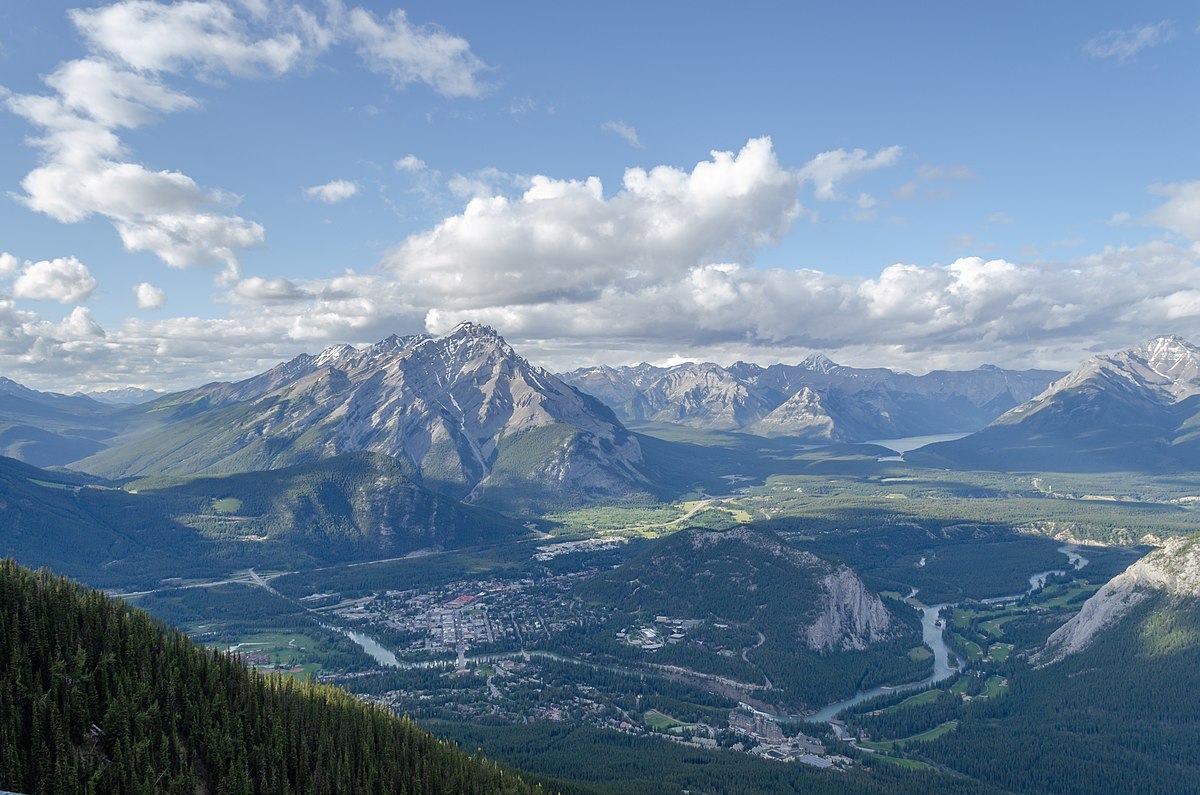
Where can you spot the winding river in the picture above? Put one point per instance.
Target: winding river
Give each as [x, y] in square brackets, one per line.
[945, 662]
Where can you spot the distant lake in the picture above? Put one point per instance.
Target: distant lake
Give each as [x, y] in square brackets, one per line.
[908, 443]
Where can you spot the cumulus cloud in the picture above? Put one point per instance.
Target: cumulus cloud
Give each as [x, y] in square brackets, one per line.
[87, 170]
[66, 280]
[1126, 43]
[563, 239]
[332, 192]
[149, 297]
[624, 132]
[829, 169]
[8, 264]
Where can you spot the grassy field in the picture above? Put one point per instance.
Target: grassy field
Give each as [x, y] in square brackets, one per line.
[994, 687]
[932, 734]
[286, 652]
[928, 697]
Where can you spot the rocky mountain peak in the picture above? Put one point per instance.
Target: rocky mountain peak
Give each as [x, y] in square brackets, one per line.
[819, 362]
[1172, 357]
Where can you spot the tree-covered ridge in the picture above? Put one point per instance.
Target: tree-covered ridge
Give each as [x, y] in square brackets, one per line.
[98, 697]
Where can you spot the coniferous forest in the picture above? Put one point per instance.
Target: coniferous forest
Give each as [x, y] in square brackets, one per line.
[98, 697]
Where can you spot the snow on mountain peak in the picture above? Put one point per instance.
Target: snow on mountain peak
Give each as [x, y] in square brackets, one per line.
[819, 362]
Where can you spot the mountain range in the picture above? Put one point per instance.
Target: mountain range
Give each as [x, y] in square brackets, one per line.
[816, 400]
[1137, 410]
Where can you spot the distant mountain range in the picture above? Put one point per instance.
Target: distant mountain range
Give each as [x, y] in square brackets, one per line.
[1136, 410]
[816, 400]
[470, 418]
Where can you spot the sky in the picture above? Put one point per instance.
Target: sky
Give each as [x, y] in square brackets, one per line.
[195, 191]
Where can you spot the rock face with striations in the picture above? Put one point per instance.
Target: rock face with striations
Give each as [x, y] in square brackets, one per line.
[852, 618]
[1173, 570]
[470, 413]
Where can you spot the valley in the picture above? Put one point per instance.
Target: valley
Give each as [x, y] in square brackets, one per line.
[827, 606]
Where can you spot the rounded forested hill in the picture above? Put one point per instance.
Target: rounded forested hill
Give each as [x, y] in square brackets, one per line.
[98, 697]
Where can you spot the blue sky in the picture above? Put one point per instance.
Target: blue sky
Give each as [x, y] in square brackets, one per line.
[197, 190]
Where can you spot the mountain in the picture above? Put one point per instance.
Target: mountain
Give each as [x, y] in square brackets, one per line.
[126, 396]
[817, 399]
[1172, 572]
[1138, 409]
[47, 429]
[96, 696]
[1112, 697]
[473, 418]
[356, 507]
[820, 631]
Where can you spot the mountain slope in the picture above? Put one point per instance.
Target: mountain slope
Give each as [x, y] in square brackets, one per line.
[1115, 711]
[474, 419]
[817, 399]
[98, 697]
[1172, 572]
[355, 507]
[49, 429]
[821, 632]
[1136, 410]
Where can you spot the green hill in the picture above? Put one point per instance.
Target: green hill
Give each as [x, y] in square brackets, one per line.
[99, 697]
[355, 507]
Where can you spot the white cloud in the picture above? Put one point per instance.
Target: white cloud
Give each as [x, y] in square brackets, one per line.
[208, 36]
[257, 289]
[164, 212]
[149, 297]
[563, 238]
[410, 163]
[8, 264]
[829, 169]
[1124, 44]
[78, 325]
[86, 170]
[66, 280]
[624, 132]
[332, 192]
[409, 53]
[1000, 217]
[1119, 218]
[1181, 212]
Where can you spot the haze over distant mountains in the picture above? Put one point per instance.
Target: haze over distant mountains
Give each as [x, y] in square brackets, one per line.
[1138, 409]
[476, 421]
[817, 399]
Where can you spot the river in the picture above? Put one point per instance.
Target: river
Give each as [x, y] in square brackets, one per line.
[945, 662]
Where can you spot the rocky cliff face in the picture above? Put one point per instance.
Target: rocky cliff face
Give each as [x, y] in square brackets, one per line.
[465, 409]
[851, 618]
[1173, 570]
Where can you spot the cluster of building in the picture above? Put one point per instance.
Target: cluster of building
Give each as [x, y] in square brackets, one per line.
[652, 637]
[765, 738]
[459, 616]
[600, 544]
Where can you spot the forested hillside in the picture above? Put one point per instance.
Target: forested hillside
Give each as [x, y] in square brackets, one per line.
[96, 697]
